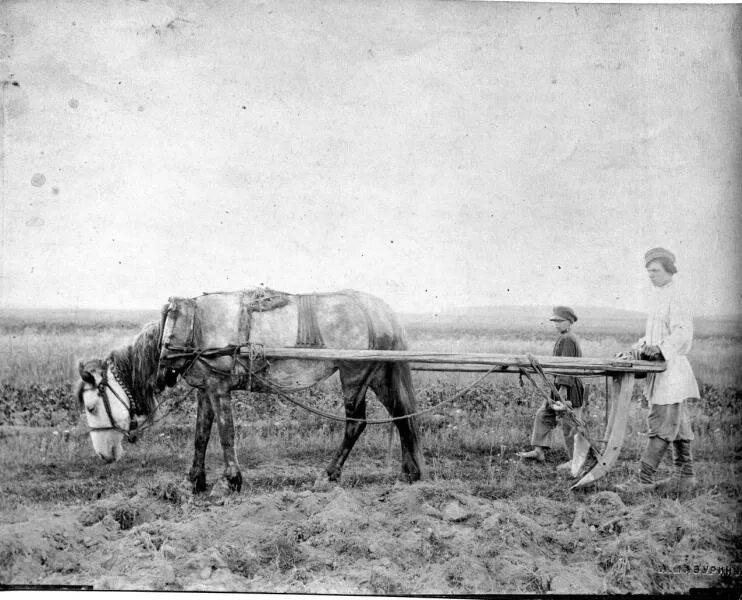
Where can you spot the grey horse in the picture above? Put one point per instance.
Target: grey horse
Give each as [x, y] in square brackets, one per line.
[213, 342]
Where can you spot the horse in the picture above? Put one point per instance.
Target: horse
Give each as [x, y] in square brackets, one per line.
[200, 340]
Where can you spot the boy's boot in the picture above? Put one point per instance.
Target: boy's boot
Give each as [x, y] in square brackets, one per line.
[536, 454]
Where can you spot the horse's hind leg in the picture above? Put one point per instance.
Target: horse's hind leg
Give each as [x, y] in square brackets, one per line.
[354, 382]
[221, 404]
[204, 419]
[393, 387]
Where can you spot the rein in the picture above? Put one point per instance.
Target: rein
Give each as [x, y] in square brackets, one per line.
[333, 417]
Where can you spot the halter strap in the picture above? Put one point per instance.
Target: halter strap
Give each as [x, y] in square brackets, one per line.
[102, 387]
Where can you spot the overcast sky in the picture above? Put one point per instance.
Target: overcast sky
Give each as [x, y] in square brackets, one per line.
[436, 154]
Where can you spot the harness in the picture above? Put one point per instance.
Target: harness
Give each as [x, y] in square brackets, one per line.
[181, 333]
[103, 387]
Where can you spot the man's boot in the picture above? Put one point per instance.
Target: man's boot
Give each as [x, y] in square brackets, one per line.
[650, 460]
[683, 459]
[684, 477]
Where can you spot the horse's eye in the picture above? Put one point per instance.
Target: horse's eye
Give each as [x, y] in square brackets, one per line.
[91, 409]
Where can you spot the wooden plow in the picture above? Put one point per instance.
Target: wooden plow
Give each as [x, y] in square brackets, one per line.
[621, 372]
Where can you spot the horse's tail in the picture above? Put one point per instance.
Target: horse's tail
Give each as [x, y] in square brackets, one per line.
[402, 394]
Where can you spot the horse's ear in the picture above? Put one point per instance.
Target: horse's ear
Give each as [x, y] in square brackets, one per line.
[86, 375]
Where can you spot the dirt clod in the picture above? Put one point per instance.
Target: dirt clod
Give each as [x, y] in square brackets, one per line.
[453, 511]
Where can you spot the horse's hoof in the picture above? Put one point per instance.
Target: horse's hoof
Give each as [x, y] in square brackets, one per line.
[408, 476]
[198, 481]
[235, 482]
[333, 474]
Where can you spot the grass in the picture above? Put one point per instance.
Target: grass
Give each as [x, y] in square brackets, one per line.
[50, 357]
[478, 446]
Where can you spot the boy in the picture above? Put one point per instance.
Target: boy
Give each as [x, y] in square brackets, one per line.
[571, 389]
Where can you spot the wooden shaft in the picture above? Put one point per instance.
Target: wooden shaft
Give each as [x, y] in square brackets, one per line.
[574, 366]
[462, 368]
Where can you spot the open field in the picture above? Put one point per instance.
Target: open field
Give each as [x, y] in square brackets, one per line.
[481, 522]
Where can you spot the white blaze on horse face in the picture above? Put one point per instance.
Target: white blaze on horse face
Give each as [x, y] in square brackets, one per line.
[106, 443]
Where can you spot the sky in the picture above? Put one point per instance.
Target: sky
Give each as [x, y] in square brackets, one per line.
[435, 154]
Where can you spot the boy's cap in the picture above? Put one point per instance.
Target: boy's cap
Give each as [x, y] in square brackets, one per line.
[564, 313]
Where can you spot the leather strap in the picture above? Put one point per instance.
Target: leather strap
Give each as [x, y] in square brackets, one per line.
[308, 334]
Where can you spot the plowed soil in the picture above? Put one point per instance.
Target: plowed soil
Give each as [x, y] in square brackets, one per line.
[136, 525]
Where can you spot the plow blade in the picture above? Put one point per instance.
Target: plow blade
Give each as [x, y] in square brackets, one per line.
[615, 429]
[579, 454]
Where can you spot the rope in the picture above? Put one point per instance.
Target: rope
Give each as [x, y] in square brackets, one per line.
[149, 423]
[333, 417]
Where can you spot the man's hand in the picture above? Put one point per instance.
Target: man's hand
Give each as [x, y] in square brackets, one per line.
[561, 405]
[652, 353]
[630, 354]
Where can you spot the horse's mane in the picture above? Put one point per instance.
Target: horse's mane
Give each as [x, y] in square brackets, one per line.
[137, 366]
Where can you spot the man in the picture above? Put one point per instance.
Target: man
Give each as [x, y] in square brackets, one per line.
[571, 390]
[668, 337]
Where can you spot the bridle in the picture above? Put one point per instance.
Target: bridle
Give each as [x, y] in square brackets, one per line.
[103, 388]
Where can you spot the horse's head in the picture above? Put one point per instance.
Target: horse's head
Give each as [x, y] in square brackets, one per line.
[107, 407]
[115, 392]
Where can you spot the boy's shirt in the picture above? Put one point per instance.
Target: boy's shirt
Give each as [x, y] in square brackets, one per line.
[567, 344]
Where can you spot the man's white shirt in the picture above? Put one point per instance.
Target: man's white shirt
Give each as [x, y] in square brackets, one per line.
[670, 327]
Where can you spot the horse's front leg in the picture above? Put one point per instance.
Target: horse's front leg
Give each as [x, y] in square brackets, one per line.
[204, 419]
[221, 404]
